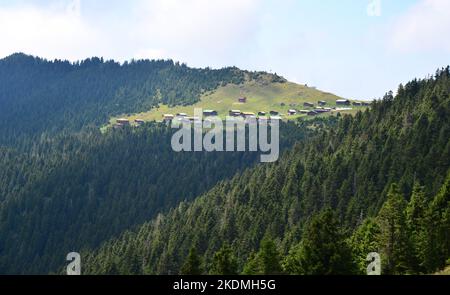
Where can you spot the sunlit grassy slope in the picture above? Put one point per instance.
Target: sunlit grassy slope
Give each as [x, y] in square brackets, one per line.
[262, 95]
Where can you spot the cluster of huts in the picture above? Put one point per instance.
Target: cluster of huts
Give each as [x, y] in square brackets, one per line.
[274, 115]
[321, 107]
[311, 109]
[120, 123]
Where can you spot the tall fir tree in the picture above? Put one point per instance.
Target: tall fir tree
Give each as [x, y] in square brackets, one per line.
[323, 249]
[224, 262]
[364, 241]
[252, 265]
[270, 257]
[438, 243]
[266, 262]
[416, 218]
[394, 237]
[192, 265]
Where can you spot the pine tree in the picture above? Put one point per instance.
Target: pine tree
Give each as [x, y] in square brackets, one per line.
[416, 218]
[266, 262]
[364, 241]
[224, 262]
[251, 267]
[192, 265]
[394, 238]
[291, 263]
[323, 249]
[438, 244]
[270, 257]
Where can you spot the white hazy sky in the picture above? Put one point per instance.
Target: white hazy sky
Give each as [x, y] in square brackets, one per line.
[354, 48]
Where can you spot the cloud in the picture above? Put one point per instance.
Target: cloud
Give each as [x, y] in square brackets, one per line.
[197, 31]
[74, 8]
[425, 27]
[52, 32]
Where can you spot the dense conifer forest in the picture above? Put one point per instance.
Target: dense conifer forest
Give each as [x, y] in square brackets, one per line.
[344, 186]
[378, 181]
[73, 191]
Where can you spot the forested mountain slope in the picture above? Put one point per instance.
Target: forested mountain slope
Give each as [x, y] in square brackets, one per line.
[74, 191]
[365, 169]
[37, 95]
[64, 186]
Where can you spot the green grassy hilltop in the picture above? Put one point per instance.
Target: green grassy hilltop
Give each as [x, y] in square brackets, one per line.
[262, 95]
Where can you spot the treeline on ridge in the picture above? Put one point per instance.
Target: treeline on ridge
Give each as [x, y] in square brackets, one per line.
[39, 96]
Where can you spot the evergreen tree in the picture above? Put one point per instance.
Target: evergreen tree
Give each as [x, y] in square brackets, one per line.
[252, 266]
[266, 262]
[224, 262]
[416, 217]
[270, 257]
[323, 249]
[394, 237]
[364, 241]
[291, 263]
[192, 265]
[438, 243]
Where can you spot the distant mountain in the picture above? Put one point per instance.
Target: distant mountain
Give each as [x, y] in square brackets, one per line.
[38, 95]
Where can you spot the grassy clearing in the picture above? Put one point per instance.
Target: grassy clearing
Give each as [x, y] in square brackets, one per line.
[261, 95]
